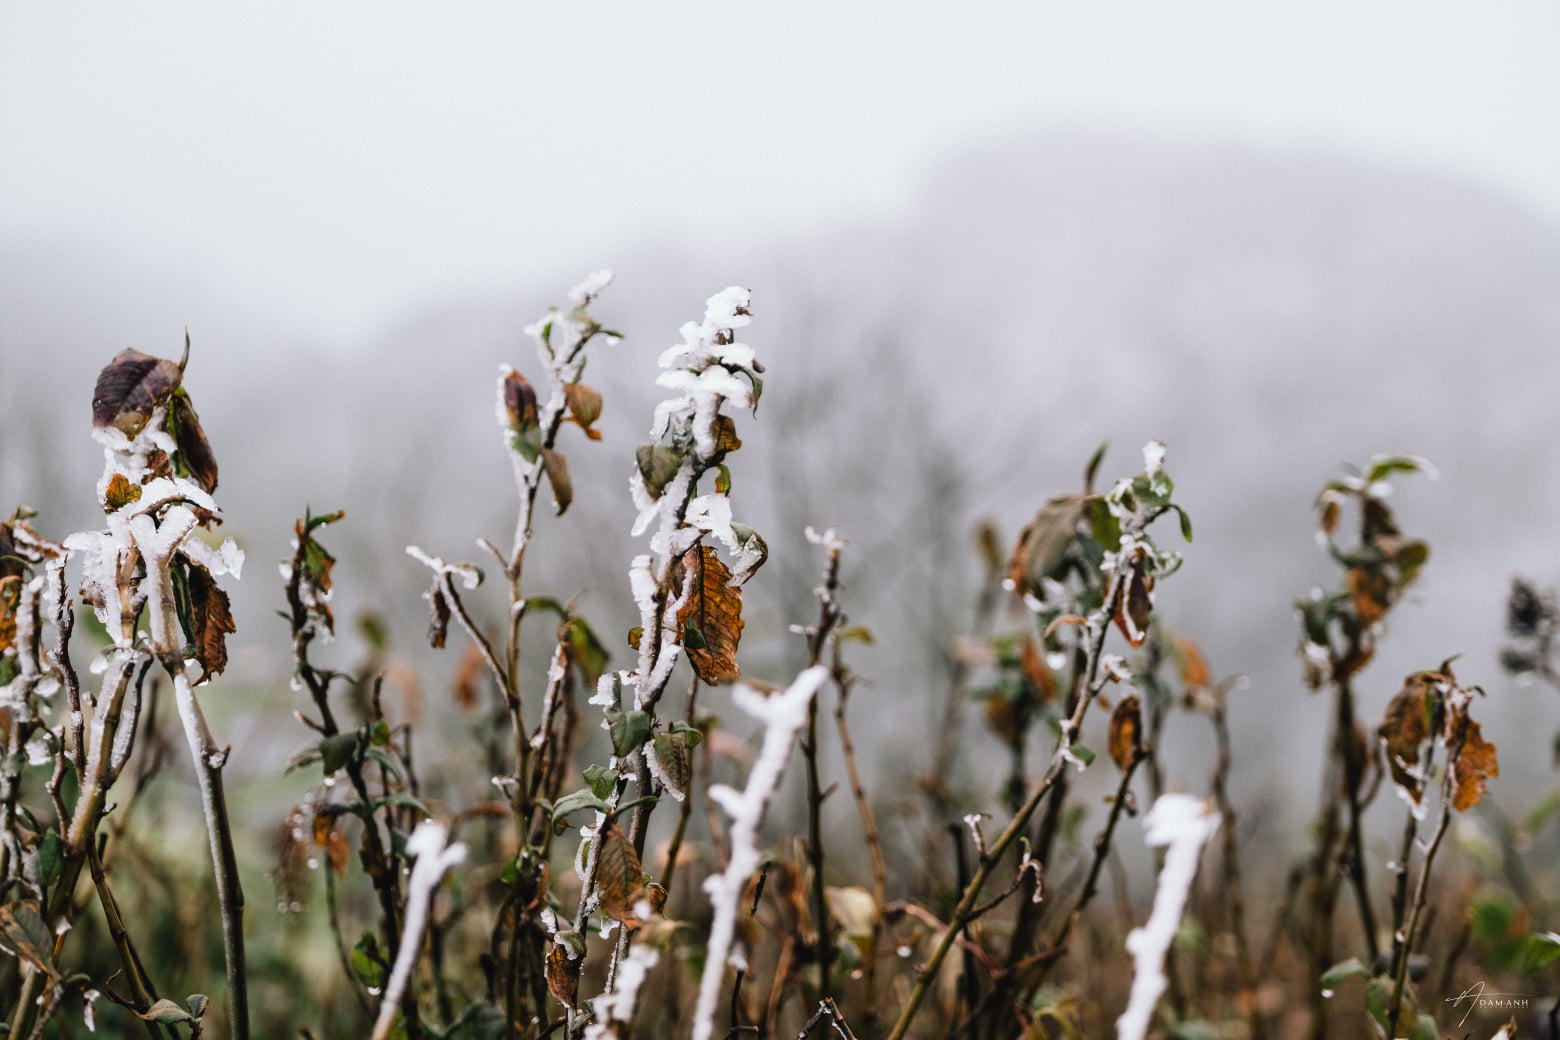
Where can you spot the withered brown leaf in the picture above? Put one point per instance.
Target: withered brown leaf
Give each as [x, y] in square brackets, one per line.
[563, 976]
[129, 389]
[438, 613]
[1134, 606]
[1043, 544]
[1473, 761]
[120, 492]
[557, 469]
[520, 402]
[1194, 667]
[673, 762]
[714, 609]
[1404, 731]
[584, 405]
[468, 676]
[1126, 733]
[1371, 594]
[194, 448]
[212, 614]
[620, 880]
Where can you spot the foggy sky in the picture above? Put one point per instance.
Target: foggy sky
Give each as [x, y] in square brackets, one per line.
[334, 167]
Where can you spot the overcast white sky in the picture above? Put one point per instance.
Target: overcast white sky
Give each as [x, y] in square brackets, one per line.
[334, 163]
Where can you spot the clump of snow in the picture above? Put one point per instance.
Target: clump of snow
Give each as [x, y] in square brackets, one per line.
[1185, 824]
[590, 287]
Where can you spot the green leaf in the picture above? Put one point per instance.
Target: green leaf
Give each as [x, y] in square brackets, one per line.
[628, 729]
[1541, 948]
[658, 465]
[337, 751]
[693, 636]
[384, 758]
[401, 800]
[723, 479]
[574, 801]
[586, 651]
[535, 603]
[479, 1022]
[1195, 1030]
[1186, 522]
[1338, 973]
[1104, 526]
[51, 857]
[1425, 1028]
[858, 634]
[1092, 469]
[511, 872]
[1083, 754]
[368, 961]
[690, 734]
[526, 443]
[600, 780]
[1385, 465]
[379, 736]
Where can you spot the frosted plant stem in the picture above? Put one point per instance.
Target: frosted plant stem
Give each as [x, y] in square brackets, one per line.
[433, 861]
[208, 761]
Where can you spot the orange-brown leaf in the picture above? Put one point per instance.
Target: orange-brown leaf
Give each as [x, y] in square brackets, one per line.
[1126, 733]
[468, 676]
[620, 880]
[710, 623]
[1042, 545]
[336, 852]
[520, 402]
[1370, 593]
[557, 469]
[584, 405]
[563, 976]
[1037, 671]
[10, 598]
[1472, 763]
[1404, 731]
[120, 492]
[1194, 667]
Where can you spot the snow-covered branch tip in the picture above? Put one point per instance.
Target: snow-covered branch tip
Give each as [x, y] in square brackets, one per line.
[432, 861]
[1185, 824]
[783, 716]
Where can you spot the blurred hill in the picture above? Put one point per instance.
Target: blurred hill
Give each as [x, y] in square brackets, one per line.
[1270, 315]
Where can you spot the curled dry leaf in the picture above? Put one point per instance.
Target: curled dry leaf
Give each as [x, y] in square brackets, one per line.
[194, 448]
[129, 389]
[710, 623]
[211, 615]
[520, 402]
[1371, 594]
[658, 465]
[1404, 731]
[1134, 606]
[557, 469]
[468, 676]
[584, 406]
[120, 492]
[1126, 733]
[673, 763]
[438, 613]
[10, 598]
[563, 976]
[1473, 760]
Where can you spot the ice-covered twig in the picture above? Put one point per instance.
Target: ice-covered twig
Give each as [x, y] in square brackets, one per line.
[432, 861]
[1185, 824]
[783, 715]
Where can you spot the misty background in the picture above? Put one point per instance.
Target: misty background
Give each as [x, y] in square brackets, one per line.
[978, 246]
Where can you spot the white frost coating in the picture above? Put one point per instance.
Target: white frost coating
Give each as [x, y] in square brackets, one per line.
[590, 287]
[712, 513]
[617, 1004]
[464, 571]
[1154, 457]
[783, 716]
[433, 861]
[606, 691]
[829, 539]
[1184, 823]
